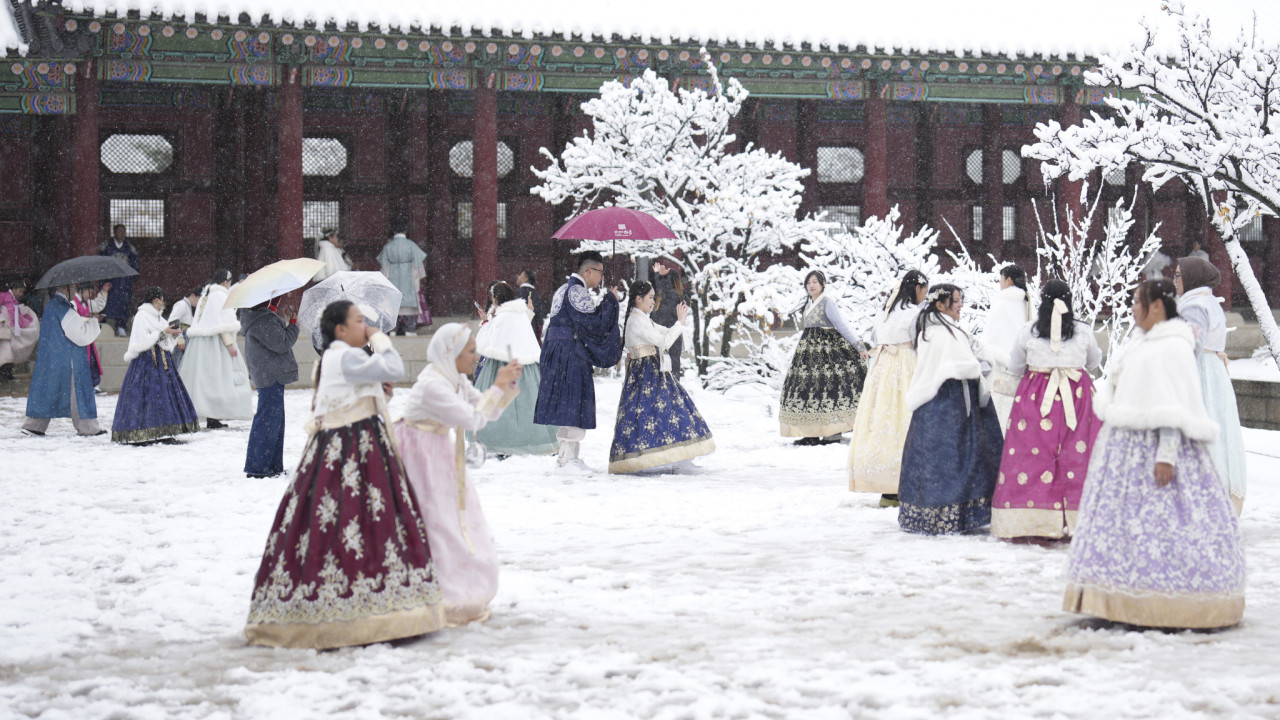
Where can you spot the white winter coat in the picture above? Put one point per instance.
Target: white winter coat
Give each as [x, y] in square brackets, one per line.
[147, 331]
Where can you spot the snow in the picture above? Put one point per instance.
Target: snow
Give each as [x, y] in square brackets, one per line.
[757, 587]
[997, 27]
[1254, 368]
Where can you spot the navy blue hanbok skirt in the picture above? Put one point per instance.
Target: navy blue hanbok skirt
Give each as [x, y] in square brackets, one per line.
[657, 422]
[950, 462]
[153, 403]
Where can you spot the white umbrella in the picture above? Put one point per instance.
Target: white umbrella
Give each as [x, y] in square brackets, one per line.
[271, 281]
[372, 292]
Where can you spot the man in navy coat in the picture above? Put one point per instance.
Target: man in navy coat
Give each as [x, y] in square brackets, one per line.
[580, 334]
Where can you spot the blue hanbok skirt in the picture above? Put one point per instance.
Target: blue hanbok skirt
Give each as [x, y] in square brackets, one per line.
[950, 462]
[153, 403]
[657, 422]
[515, 432]
[1220, 404]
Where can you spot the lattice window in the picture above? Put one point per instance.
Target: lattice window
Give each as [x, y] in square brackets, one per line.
[1009, 223]
[849, 217]
[318, 215]
[841, 165]
[465, 221]
[1114, 176]
[141, 218]
[1254, 231]
[460, 159]
[975, 222]
[323, 156]
[134, 154]
[1010, 166]
[973, 167]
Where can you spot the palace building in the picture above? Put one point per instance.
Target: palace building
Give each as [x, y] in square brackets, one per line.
[231, 141]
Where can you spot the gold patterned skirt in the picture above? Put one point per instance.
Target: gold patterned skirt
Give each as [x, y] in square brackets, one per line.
[820, 394]
[880, 426]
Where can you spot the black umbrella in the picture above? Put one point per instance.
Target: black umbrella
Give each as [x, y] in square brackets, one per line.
[85, 269]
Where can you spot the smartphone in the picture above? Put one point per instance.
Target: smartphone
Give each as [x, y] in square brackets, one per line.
[473, 302]
[174, 324]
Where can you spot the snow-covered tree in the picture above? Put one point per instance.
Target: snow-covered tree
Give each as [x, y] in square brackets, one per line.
[1206, 116]
[1102, 273]
[667, 153]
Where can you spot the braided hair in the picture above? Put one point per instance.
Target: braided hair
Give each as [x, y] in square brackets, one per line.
[1055, 289]
[639, 289]
[1161, 291]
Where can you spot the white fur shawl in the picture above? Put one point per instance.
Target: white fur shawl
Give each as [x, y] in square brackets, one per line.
[148, 329]
[509, 331]
[1010, 311]
[1154, 384]
[941, 356]
[211, 318]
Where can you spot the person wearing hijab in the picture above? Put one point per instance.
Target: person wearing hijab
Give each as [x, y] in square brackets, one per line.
[1195, 280]
[880, 426]
[1156, 542]
[657, 423]
[212, 368]
[441, 402]
[1052, 427]
[19, 328]
[509, 336]
[347, 560]
[821, 390]
[153, 403]
[952, 452]
[1009, 314]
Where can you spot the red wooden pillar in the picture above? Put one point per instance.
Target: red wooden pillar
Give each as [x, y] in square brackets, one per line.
[85, 197]
[289, 167]
[876, 182]
[484, 186]
[992, 181]
[1069, 190]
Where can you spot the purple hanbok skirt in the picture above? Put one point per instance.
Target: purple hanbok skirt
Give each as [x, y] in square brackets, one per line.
[153, 403]
[1167, 556]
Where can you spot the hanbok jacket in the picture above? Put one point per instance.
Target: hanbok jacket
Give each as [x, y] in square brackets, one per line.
[147, 331]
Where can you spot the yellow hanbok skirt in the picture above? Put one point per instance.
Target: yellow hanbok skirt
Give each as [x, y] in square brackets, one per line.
[880, 427]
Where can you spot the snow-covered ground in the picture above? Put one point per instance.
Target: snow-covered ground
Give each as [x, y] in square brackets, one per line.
[1254, 368]
[757, 587]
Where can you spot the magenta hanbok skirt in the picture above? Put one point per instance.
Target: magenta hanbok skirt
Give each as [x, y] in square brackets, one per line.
[1043, 467]
[466, 562]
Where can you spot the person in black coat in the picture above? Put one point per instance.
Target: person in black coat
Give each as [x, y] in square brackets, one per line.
[526, 281]
[670, 292]
[269, 335]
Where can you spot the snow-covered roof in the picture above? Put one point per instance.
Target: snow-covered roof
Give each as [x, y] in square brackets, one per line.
[1009, 28]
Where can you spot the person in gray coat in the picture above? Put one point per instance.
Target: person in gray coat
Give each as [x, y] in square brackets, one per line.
[269, 334]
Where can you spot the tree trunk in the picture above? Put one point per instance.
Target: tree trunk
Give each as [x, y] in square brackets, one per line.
[1257, 299]
[730, 322]
[699, 334]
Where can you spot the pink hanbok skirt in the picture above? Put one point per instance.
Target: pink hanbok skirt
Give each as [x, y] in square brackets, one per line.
[466, 562]
[1043, 467]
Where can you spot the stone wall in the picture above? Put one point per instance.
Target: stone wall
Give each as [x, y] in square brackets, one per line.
[1259, 403]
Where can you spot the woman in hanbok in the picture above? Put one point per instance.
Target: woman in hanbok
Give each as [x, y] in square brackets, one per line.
[509, 336]
[1157, 542]
[1052, 427]
[1010, 312]
[347, 561]
[1195, 280]
[153, 402]
[952, 451]
[820, 393]
[19, 329]
[880, 426]
[443, 400]
[657, 422]
[212, 368]
[329, 251]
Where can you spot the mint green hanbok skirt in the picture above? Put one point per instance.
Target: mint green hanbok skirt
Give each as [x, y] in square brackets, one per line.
[515, 432]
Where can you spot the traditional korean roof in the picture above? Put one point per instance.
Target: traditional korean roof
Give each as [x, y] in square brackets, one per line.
[989, 28]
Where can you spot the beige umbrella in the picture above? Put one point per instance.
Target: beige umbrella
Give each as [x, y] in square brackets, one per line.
[272, 281]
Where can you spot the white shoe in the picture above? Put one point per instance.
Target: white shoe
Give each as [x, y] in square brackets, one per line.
[410, 333]
[575, 467]
[120, 332]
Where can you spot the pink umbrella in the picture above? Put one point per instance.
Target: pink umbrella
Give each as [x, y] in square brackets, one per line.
[614, 223]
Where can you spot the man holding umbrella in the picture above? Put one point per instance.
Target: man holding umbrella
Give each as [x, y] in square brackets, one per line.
[579, 335]
[60, 384]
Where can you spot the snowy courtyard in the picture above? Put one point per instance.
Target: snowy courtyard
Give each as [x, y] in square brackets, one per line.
[754, 587]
